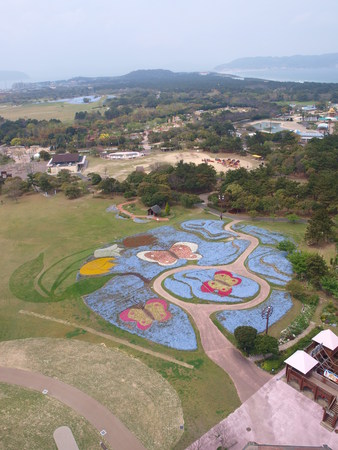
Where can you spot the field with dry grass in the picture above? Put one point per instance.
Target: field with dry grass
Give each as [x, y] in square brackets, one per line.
[143, 400]
[120, 169]
[28, 420]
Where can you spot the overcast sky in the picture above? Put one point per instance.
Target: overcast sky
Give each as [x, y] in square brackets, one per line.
[54, 39]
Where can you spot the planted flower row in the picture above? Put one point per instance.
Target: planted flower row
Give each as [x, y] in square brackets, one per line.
[209, 229]
[272, 264]
[125, 302]
[189, 283]
[265, 236]
[212, 253]
[279, 300]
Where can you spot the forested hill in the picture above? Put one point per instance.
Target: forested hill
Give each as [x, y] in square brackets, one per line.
[167, 81]
[329, 60]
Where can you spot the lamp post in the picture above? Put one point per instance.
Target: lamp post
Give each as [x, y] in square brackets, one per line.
[221, 199]
[266, 313]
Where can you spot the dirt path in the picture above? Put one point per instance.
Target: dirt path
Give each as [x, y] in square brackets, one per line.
[109, 337]
[133, 216]
[247, 377]
[298, 338]
[117, 434]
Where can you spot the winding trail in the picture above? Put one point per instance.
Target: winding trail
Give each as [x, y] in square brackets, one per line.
[138, 216]
[247, 377]
[116, 434]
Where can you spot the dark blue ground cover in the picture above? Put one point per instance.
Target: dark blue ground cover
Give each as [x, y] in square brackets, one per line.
[212, 253]
[279, 300]
[209, 229]
[272, 264]
[123, 292]
[265, 236]
[187, 284]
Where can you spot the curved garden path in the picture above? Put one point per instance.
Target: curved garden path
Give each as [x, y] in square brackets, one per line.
[133, 216]
[117, 434]
[247, 377]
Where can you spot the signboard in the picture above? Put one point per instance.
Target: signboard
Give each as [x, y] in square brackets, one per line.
[331, 376]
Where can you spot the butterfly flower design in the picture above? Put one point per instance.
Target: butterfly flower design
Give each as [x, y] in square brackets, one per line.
[180, 250]
[154, 309]
[221, 284]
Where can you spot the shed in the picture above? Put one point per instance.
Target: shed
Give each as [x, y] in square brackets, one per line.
[154, 211]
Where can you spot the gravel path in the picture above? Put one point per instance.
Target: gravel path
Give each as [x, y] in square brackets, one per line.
[116, 434]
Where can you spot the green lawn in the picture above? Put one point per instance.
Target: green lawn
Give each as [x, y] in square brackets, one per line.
[46, 111]
[44, 241]
[28, 420]
[65, 233]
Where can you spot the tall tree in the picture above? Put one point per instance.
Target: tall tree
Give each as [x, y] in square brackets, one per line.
[320, 228]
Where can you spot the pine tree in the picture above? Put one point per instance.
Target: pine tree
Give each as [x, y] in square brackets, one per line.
[319, 228]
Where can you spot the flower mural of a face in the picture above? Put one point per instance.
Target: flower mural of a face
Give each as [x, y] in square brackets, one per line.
[154, 309]
[100, 266]
[180, 250]
[221, 284]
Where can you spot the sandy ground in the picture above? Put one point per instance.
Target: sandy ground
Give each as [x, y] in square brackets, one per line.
[277, 414]
[119, 169]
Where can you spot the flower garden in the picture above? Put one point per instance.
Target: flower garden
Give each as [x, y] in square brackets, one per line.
[191, 284]
[279, 300]
[128, 302]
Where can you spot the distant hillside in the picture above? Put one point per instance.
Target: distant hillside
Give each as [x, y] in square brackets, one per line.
[13, 75]
[328, 61]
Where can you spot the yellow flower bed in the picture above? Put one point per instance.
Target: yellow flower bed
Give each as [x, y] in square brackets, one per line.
[98, 266]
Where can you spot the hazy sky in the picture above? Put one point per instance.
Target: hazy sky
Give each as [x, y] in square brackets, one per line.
[53, 39]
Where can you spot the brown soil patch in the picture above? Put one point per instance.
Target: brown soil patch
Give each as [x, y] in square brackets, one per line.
[139, 241]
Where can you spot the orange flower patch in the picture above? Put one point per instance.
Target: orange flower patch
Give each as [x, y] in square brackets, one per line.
[99, 266]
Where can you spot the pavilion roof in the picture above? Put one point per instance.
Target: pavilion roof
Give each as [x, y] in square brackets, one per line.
[327, 338]
[301, 361]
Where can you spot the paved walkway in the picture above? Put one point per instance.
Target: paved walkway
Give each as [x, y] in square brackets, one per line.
[117, 435]
[64, 439]
[277, 414]
[247, 377]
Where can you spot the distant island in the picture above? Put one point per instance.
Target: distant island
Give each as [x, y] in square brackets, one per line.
[327, 61]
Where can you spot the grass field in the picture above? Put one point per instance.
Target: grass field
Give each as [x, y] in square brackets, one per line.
[142, 399]
[65, 232]
[28, 420]
[47, 240]
[46, 111]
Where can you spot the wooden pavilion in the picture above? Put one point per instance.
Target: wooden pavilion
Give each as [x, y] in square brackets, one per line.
[316, 369]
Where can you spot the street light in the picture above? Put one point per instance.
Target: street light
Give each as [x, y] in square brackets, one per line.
[221, 198]
[266, 313]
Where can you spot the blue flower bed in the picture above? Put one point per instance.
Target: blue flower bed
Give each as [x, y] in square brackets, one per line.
[212, 253]
[209, 229]
[187, 284]
[279, 300]
[265, 236]
[272, 264]
[123, 292]
[112, 208]
[221, 252]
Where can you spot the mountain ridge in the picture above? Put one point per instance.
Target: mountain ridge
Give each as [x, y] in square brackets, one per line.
[328, 60]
